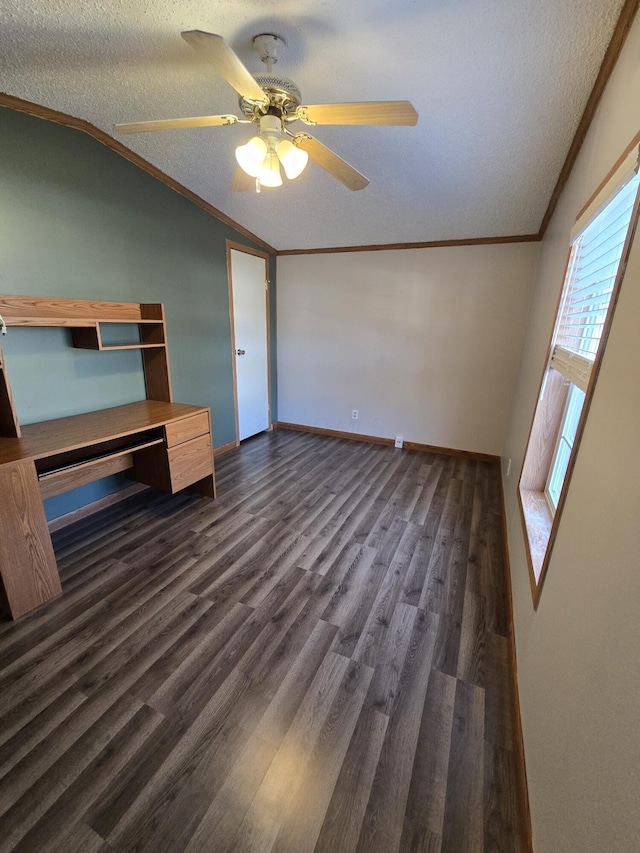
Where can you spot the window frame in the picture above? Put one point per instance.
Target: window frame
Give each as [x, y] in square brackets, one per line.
[539, 523]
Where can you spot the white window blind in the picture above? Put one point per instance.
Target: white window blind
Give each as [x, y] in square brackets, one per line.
[592, 272]
[625, 170]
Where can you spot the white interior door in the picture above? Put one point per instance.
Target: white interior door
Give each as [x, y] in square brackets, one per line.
[249, 295]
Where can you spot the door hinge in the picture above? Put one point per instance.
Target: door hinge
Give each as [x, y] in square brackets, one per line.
[266, 284]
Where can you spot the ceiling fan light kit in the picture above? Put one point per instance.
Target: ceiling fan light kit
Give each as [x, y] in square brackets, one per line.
[261, 156]
[272, 101]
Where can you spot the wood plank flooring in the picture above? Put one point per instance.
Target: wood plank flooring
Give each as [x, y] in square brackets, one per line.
[318, 661]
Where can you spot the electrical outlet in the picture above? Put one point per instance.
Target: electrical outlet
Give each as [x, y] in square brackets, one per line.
[354, 415]
[508, 467]
[398, 441]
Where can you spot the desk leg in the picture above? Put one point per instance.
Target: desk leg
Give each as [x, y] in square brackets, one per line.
[28, 572]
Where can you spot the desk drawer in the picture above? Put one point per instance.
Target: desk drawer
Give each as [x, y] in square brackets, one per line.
[190, 461]
[187, 428]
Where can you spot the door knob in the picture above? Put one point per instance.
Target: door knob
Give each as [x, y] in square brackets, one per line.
[240, 352]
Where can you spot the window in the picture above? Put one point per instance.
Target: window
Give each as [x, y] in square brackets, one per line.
[599, 247]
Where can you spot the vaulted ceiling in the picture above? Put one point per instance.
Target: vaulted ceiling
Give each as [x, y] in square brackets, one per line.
[499, 85]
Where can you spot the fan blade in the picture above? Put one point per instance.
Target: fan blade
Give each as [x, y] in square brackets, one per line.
[174, 124]
[225, 61]
[330, 161]
[241, 182]
[366, 112]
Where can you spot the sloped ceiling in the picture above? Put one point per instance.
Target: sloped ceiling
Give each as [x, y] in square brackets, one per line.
[500, 86]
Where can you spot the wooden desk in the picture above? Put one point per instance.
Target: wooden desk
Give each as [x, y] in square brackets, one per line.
[162, 444]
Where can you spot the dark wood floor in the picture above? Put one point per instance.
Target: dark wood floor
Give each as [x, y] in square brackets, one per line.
[316, 662]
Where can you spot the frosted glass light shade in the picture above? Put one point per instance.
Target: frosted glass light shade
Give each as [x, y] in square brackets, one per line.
[293, 159]
[251, 156]
[270, 172]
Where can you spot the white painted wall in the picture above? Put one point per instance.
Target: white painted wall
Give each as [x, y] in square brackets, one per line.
[424, 343]
[579, 654]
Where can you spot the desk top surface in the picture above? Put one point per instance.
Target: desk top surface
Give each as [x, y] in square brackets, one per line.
[50, 437]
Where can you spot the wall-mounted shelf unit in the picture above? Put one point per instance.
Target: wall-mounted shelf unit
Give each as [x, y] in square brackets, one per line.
[85, 320]
[155, 441]
[151, 334]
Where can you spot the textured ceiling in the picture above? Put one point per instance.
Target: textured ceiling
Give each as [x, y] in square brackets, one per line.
[500, 86]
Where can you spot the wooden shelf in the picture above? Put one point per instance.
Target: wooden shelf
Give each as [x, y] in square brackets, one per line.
[64, 322]
[108, 347]
[33, 310]
[72, 322]
[131, 322]
[90, 337]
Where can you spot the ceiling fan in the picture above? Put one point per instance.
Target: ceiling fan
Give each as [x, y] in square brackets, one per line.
[273, 102]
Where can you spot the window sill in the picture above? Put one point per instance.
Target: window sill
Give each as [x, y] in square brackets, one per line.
[537, 520]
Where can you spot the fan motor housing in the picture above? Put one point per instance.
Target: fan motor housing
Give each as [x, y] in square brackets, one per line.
[283, 95]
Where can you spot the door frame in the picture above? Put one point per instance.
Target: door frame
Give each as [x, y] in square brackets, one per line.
[239, 247]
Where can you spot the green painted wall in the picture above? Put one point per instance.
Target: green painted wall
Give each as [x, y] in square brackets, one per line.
[79, 221]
